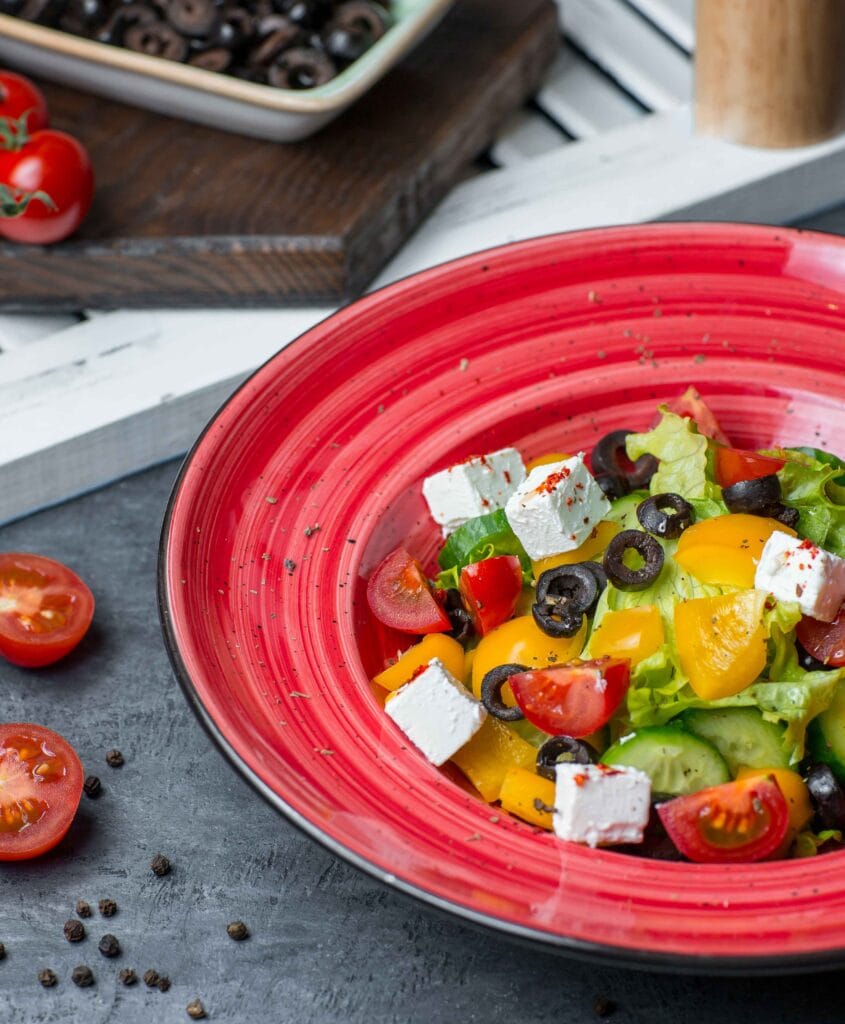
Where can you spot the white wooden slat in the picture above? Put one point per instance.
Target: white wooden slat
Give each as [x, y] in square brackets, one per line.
[526, 134]
[628, 48]
[652, 169]
[675, 17]
[582, 99]
[19, 329]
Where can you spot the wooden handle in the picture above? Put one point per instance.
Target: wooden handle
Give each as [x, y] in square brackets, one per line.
[770, 72]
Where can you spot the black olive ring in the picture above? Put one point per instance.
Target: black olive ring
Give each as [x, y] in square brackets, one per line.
[462, 626]
[760, 497]
[491, 692]
[654, 517]
[565, 595]
[562, 750]
[609, 462]
[646, 546]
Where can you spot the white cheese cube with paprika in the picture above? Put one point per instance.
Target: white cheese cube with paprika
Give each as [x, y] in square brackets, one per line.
[599, 805]
[473, 487]
[436, 712]
[792, 569]
[556, 508]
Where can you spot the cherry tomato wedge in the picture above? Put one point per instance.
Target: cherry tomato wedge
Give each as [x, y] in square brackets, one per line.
[45, 609]
[40, 788]
[399, 596]
[824, 641]
[490, 590]
[19, 96]
[691, 405]
[737, 822]
[573, 699]
[734, 465]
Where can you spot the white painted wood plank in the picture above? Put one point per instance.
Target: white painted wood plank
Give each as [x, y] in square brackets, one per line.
[525, 135]
[630, 50]
[583, 99]
[19, 329]
[675, 17]
[653, 169]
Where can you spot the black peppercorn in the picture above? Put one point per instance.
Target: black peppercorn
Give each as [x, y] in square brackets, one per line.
[47, 977]
[195, 1010]
[109, 946]
[160, 865]
[74, 931]
[83, 908]
[82, 976]
[92, 786]
[114, 759]
[603, 1007]
[163, 983]
[151, 978]
[108, 908]
[2, 951]
[128, 977]
[237, 930]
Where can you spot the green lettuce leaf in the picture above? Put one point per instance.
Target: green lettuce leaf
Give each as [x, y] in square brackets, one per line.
[479, 538]
[807, 844]
[810, 485]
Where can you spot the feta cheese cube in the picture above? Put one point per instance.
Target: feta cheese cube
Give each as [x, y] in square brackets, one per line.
[599, 805]
[473, 487]
[792, 569]
[436, 713]
[556, 508]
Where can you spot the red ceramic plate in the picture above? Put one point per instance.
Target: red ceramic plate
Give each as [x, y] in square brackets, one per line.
[546, 344]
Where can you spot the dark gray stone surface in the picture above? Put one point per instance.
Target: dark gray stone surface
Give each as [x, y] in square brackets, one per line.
[327, 943]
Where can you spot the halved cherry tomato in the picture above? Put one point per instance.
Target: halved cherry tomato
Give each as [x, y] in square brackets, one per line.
[734, 465]
[574, 699]
[737, 822]
[691, 405]
[19, 96]
[399, 596]
[490, 590]
[45, 609]
[40, 788]
[824, 641]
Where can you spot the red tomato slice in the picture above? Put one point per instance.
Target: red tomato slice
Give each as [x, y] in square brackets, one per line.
[40, 788]
[19, 96]
[399, 596]
[490, 590]
[574, 699]
[734, 465]
[737, 822]
[693, 406]
[824, 641]
[45, 609]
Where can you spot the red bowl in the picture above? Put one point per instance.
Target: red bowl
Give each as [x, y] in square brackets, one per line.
[546, 344]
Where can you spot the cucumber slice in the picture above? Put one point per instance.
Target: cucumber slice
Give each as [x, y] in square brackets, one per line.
[826, 735]
[624, 510]
[676, 761]
[741, 735]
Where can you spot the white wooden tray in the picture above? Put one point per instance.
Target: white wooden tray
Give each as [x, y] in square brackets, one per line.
[607, 140]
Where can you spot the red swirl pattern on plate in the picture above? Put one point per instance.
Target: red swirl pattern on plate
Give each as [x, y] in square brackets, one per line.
[546, 344]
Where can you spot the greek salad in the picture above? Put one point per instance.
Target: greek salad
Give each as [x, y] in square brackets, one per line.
[643, 649]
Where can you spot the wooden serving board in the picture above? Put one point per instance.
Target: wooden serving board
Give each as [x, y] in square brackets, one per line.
[188, 216]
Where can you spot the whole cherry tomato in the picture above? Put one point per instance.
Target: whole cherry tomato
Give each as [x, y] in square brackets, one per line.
[21, 98]
[49, 184]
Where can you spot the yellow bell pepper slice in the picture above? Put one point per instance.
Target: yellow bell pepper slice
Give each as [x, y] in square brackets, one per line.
[520, 789]
[520, 641]
[794, 790]
[434, 645]
[603, 533]
[546, 460]
[725, 550]
[721, 642]
[633, 633]
[490, 755]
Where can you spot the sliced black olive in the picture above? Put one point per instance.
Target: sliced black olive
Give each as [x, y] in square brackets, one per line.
[362, 17]
[613, 486]
[491, 692]
[272, 45]
[609, 456]
[302, 67]
[234, 29]
[462, 627]
[562, 750]
[753, 497]
[158, 40]
[827, 796]
[633, 579]
[192, 17]
[217, 58]
[345, 44]
[665, 515]
[12, 7]
[811, 664]
[787, 515]
[125, 17]
[565, 595]
[308, 13]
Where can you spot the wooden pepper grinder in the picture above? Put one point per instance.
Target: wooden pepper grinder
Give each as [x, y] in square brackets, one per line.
[770, 72]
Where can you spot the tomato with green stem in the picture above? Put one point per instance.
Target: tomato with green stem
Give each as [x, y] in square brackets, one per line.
[20, 98]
